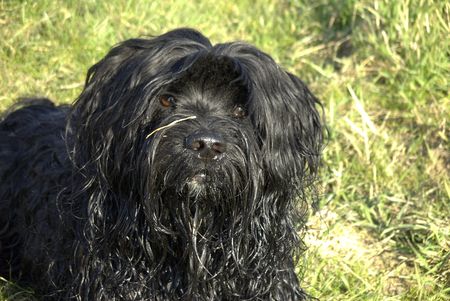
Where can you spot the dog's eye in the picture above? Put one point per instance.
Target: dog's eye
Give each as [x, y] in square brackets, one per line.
[167, 100]
[239, 112]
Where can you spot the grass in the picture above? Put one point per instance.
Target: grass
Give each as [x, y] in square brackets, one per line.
[381, 68]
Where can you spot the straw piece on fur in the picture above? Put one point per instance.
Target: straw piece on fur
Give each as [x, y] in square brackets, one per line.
[169, 125]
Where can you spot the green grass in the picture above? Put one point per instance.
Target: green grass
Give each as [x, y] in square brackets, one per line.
[381, 69]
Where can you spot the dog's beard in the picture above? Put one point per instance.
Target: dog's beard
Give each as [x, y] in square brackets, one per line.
[200, 203]
[179, 171]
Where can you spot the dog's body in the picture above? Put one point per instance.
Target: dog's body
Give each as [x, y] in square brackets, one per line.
[176, 175]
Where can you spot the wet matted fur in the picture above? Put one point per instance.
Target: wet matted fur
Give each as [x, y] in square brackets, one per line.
[177, 174]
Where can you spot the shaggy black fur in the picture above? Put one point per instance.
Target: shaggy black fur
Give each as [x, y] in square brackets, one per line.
[97, 205]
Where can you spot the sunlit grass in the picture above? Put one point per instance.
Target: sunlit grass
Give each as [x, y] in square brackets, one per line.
[381, 69]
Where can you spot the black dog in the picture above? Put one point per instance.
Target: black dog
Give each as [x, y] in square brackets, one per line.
[176, 175]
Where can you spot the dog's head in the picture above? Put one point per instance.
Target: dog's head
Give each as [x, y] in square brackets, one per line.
[175, 114]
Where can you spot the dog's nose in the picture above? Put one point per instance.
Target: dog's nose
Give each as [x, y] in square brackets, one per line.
[208, 145]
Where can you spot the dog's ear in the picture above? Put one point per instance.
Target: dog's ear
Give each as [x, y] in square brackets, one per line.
[286, 115]
[292, 133]
[119, 90]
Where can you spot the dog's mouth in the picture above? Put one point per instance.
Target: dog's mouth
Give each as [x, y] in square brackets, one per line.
[199, 178]
[199, 183]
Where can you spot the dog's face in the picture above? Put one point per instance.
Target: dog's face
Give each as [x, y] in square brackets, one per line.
[177, 116]
[209, 150]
